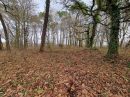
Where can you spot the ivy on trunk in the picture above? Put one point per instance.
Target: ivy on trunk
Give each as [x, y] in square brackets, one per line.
[115, 26]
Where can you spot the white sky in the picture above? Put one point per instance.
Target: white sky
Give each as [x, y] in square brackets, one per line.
[54, 5]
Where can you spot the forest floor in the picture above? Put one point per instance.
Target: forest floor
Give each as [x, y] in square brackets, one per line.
[64, 73]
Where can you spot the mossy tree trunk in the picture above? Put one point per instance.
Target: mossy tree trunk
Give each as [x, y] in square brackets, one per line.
[115, 25]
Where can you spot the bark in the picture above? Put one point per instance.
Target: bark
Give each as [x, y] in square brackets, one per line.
[128, 44]
[80, 43]
[91, 41]
[115, 24]
[35, 38]
[124, 29]
[63, 37]
[70, 39]
[102, 40]
[1, 45]
[122, 40]
[5, 32]
[43, 37]
[17, 37]
[87, 38]
[25, 36]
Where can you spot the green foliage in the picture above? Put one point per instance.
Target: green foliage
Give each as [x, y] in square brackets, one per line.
[62, 13]
[41, 14]
[98, 18]
[79, 6]
[101, 4]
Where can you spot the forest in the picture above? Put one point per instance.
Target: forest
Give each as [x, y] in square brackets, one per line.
[64, 48]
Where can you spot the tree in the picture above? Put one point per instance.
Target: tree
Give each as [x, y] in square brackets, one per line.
[18, 14]
[95, 17]
[1, 45]
[91, 12]
[114, 13]
[43, 37]
[113, 8]
[5, 32]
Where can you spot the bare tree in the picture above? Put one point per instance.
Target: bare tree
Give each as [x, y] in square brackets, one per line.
[45, 26]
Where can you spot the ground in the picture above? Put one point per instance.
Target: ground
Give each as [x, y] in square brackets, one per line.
[64, 73]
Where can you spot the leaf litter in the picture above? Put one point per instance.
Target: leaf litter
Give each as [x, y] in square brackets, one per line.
[63, 73]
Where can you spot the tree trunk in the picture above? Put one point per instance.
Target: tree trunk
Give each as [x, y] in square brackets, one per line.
[128, 44]
[25, 35]
[45, 26]
[5, 32]
[1, 45]
[87, 39]
[115, 24]
[91, 41]
[122, 40]
[17, 36]
[63, 38]
[125, 30]
[95, 22]
[102, 40]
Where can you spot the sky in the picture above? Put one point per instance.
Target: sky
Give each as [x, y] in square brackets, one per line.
[54, 5]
